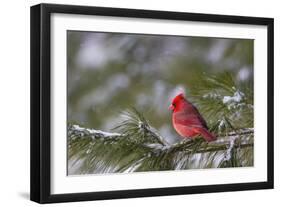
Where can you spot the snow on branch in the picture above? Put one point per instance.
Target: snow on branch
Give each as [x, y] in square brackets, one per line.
[75, 131]
[226, 142]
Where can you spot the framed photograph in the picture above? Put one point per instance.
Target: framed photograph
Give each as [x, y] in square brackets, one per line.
[133, 103]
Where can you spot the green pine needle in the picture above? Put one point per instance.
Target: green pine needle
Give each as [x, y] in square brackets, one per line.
[136, 146]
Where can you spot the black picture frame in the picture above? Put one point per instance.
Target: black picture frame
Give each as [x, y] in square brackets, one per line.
[41, 98]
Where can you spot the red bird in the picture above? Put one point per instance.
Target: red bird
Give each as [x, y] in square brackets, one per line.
[187, 120]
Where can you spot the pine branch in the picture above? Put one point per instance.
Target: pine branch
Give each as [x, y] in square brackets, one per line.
[136, 146]
[75, 131]
[136, 124]
[137, 137]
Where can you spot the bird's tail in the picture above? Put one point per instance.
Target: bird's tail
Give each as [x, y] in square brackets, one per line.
[208, 136]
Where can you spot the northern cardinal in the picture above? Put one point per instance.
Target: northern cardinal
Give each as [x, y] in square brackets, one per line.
[187, 120]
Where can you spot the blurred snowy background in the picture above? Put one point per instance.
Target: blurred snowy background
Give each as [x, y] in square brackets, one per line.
[110, 72]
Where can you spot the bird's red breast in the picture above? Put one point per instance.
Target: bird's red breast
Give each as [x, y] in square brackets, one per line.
[187, 120]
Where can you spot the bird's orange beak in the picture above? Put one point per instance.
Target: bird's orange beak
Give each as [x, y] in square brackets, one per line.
[171, 107]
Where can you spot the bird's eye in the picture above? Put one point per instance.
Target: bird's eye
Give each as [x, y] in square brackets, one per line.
[174, 105]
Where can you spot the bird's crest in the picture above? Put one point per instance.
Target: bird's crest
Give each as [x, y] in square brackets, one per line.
[178, 97]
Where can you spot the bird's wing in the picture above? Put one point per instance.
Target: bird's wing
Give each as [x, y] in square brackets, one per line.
[202, 120]
[190, 117]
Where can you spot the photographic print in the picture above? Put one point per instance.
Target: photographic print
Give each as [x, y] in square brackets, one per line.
[143, 102]
[132, 103]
